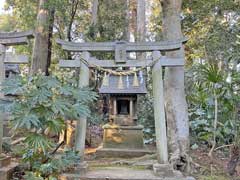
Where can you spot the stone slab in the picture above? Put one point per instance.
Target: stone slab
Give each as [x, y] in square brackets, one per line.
[7, 171]
[81, 168]
[119, 173]
[165, 170]
[122, 153]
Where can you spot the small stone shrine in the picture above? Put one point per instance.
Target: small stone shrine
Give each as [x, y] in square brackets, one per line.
[123, 132]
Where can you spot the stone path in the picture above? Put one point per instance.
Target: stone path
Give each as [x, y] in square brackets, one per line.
[119, 173]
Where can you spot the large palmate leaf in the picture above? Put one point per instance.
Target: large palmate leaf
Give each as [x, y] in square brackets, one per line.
[27, 121]
[38, 142]
[38, 111]
[13, 86]
[84, 95]
[55, 125]
[60, 106]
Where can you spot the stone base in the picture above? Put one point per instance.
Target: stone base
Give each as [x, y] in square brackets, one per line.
[121, 153]
[163, 170]
[81, 168]
[166, 171]
[123, 137]
[7, 171]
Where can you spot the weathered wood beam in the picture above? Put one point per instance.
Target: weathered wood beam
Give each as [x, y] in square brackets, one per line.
[16, 59]
[111, 46]
[10, 35]
[164, 61]
[14, 41]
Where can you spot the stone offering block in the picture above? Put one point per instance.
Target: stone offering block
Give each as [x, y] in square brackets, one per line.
[123, 137]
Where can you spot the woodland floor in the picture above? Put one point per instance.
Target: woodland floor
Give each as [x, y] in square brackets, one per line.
[205, 169]
[212, 170]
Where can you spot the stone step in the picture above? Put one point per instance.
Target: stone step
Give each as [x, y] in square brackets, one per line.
[122, 153]
[119, 173]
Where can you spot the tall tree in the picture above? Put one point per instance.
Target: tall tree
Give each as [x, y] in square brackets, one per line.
[176, 106]
[42, 43]
[94, 12]
[141, 24]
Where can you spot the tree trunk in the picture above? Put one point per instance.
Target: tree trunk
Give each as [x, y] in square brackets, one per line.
[214, 125]
[74, 8]
[175, 100]
[94, 12]
[41, 43]
[141, 25]
[126, 33]
[50, 31]
[132, 6]
[2, 77]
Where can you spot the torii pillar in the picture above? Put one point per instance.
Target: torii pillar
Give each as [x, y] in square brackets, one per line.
[159, 112]
[162, 168]
[81, 127]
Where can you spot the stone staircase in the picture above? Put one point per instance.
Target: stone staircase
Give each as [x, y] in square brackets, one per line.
[120, 173]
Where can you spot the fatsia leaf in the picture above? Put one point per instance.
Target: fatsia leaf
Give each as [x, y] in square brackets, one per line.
[56, 125]
[59, 106]
[27, 121]
[38, 142]
[79, 110]
[13, 86]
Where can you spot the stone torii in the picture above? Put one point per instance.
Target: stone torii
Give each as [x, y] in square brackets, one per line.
[121, 49]
[6, 40]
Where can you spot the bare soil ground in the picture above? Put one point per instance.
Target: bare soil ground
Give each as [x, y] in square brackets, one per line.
[214, 169]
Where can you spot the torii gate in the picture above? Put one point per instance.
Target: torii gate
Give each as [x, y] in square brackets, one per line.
[6, 40]
[121, 48]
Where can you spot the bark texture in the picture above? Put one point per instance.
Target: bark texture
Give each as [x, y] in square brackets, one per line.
[2, 77]
[94, 12]
[141, 25]
[175, 100]
[127, 29]
[41, 44]
[50, 32]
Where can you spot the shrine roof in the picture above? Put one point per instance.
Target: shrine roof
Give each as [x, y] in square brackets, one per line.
[128, 87]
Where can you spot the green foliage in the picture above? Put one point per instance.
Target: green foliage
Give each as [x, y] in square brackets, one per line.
[146, 113]
[54, 166]
[209, 79]
[25, 11]
[212, 55]
[111, 21]
[40, 106]
[8, 22]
